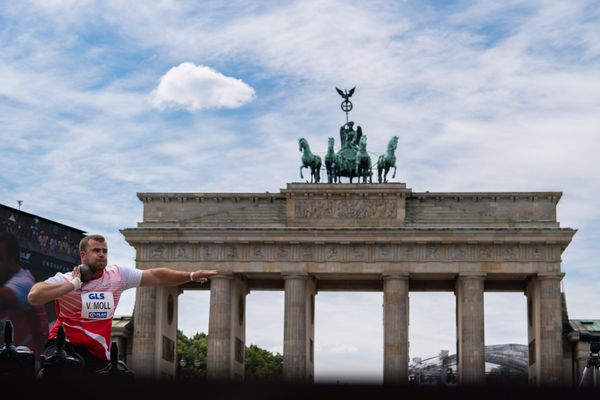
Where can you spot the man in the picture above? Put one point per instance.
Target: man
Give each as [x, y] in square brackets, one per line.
[30, 323]
[349, 137]
[85, 308]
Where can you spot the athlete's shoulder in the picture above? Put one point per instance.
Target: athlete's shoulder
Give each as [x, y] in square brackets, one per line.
[116, 271]
[60, 277]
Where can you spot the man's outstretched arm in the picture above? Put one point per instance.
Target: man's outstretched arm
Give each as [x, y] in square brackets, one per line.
[169, 277]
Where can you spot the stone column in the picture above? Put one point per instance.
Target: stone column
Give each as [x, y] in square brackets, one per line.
[219, 329]
[143, 357]
[545, 330]
[297, 333]
[226, 328]
[395, 328]
[470, 335]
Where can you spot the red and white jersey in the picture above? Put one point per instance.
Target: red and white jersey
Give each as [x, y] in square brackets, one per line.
[86, 314]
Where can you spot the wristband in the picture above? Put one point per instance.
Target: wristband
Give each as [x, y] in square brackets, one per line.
[191, 278]
[76, 282]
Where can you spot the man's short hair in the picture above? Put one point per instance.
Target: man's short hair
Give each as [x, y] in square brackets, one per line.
[13, 249]
[83, 244]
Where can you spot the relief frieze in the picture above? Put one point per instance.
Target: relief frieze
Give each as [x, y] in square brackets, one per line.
[538, 252]
[282, 252]
[257, 252]
[231, 252]
[332, 253]
[157, 251]
[460, 252]
[408, 252]
[485, 252]
[510, 252]
[209, 252]
[353, 252]
[358, 253]
[307, 252]
[183, 252]
[434, 252]
[384, 252]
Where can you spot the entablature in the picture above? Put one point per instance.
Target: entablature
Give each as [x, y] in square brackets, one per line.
[363, 246]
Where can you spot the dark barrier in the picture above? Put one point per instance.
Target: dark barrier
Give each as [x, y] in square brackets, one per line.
[58, 364]
[116, 369]
[15, 362]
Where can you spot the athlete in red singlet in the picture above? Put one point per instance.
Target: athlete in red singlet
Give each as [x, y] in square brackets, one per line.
[85, 309]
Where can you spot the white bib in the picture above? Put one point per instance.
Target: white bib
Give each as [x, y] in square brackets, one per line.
[97, 305]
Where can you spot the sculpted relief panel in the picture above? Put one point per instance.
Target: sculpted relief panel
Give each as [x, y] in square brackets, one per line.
[345, 209]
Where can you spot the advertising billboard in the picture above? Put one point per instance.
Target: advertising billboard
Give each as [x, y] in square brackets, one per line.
[47, 247]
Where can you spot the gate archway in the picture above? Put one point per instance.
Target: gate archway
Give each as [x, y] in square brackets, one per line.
[383, 237]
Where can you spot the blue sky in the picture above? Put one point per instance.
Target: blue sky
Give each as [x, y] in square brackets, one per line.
[100, 100]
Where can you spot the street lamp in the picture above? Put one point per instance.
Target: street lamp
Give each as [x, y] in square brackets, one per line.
[182, 362]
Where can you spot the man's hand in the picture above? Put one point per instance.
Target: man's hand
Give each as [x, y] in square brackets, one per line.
[202, 275]
[76, 281]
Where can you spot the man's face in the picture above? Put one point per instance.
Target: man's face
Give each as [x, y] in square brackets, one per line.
[7, 267]
[96, 255]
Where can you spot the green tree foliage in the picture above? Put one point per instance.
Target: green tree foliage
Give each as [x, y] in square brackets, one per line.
[260, 364]
[192, 350]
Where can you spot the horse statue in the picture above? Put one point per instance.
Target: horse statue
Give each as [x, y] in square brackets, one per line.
[309, 160]
[330, 159]
[387, 160]
[363, 161]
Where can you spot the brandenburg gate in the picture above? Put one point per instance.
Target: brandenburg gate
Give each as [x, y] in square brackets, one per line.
[350, 237]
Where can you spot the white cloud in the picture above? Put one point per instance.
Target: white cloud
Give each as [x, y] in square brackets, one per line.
[197, 87]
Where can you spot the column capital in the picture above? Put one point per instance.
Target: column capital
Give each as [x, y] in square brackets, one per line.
[471, 275]
[294, 275]
[550, 276]
[395, 275]
[222, 275]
